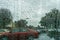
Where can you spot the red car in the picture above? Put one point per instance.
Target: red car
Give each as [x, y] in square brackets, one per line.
[19, 34]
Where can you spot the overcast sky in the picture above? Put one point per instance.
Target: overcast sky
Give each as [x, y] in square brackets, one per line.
[32, 9]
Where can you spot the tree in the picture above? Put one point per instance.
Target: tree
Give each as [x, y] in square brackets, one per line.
[21, 23]
[5, 17]
[51, 19]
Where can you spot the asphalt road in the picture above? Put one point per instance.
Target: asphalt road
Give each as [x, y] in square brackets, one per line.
[44, 37]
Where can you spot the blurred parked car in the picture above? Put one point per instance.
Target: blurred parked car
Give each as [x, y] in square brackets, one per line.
[19, 34]
[51, 30]
[54, 33]
[3, 31]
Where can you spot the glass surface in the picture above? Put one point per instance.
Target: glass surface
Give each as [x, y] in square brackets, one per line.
[20, 30]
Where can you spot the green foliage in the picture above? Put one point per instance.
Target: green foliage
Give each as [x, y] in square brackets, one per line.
[5, 17]
[51, 18]
[21, 23]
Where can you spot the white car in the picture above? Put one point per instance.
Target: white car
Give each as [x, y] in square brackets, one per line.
[51, 29]
[4, 30]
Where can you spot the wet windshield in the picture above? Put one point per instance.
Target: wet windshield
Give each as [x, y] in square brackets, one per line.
[20, 30]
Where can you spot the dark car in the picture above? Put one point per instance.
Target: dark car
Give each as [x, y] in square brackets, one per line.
[19, 34]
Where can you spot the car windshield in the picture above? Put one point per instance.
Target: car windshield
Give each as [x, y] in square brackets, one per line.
[20, 30]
